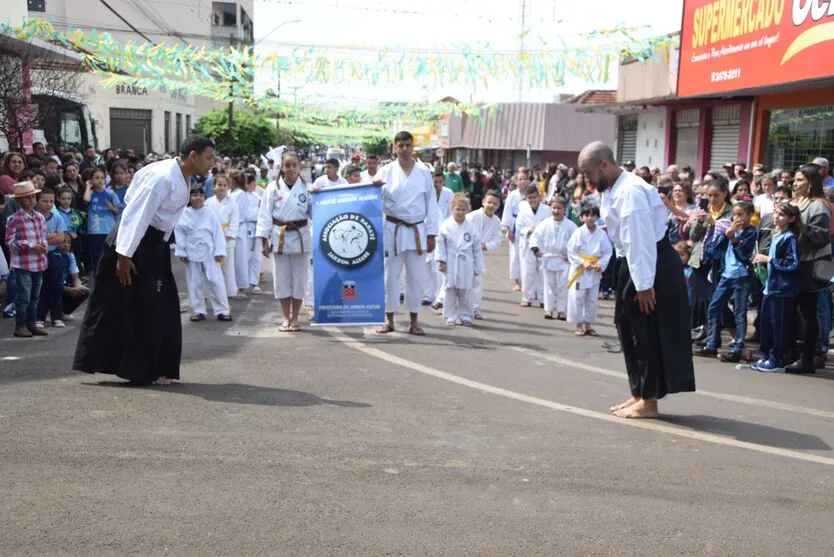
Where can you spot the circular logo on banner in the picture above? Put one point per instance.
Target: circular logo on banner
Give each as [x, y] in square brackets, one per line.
[348, 240]
[467, 237]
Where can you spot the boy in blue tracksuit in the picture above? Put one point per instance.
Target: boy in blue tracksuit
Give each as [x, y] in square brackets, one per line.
[731, 255]
[778, 338]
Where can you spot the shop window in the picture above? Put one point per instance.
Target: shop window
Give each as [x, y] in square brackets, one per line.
[798, 135]
[37, 5]
[167, 132]
[224, 14]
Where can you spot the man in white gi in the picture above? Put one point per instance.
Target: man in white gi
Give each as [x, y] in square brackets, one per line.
[550, 243]
[652, 306]
[488, 226]
[283, 229]
[132, 325]
[435, 288]
[409, 202]
[202, 247]
[227, 213]
[368, 175]
[531, 212]
[508, 220]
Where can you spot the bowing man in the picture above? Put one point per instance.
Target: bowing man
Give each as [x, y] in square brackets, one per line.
[283, 229]
[652, 308]
[132, 325]
[409, 202]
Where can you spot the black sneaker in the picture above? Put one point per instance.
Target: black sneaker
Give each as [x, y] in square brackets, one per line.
[800, 367]
[730, 357]
[706, 352]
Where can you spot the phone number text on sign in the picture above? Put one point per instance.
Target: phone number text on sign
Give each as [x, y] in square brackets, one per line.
[726, 75]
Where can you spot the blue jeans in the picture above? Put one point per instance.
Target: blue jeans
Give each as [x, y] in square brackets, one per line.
[824, 318]
[739, 290]
[27, 287]
[52, 292]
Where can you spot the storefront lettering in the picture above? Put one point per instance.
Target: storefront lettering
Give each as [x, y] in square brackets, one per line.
[727, 19]
[131, 90]
[817, 9]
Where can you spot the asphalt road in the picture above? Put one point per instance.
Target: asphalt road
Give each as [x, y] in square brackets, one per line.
[490, 441]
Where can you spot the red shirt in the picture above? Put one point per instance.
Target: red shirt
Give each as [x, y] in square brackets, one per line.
[24, 231]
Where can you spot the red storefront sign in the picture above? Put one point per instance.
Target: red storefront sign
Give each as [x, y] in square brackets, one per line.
[730, 45]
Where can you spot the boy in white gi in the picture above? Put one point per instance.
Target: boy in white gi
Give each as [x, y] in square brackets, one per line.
[202, 247]
[589, 251]
[550, 244]
[488, 226]
[283, 229]
[508, 221]
[531, 213]
[460, 258]
[247, 255]
[435, 289]
[229, 217]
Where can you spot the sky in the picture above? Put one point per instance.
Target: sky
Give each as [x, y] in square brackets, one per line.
[439, 24]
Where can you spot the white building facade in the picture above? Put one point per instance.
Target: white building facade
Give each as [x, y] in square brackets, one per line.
[127, 116]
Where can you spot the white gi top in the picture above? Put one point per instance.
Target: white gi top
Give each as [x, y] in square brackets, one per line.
[366, 178]
[156, 197]
[227, 213]
[411, 199]
[636, 220]
[510, 214]
[459, 246]
[444, 203]
[325, 182]
[585, 242]
[247, 206]
[200, 238]
[527, 220]
[287, 205]
[552, 237]
[488, 228]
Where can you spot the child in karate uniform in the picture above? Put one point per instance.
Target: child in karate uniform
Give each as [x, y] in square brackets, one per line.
[229, 217]
[550, 244]
[202, 247]
[531, 213]
[247, 256]
[435, 289]
[460, 258]
[508, 221]
[589, 251]
[488, 226]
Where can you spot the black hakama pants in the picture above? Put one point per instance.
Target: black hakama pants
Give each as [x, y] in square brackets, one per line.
[133, 331]
[657, 347]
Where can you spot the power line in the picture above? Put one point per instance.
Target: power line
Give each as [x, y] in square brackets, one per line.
[126, 22]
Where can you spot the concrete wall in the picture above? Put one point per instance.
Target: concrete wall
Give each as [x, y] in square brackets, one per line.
[649, 79]
[651, 137]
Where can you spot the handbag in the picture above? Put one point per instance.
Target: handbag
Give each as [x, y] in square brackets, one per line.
[823, 270]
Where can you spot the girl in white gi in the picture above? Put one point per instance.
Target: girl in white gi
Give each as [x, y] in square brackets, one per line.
[488, 226]
[247, 254]
[435, 289]
[460, 258]
[589, 251]
[531, 213]
[283, 229]
[508, 218]
[229, 217]
[550, 244]
[202, 247]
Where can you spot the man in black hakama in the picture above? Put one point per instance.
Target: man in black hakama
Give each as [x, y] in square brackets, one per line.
[132, 325]
[652, 309]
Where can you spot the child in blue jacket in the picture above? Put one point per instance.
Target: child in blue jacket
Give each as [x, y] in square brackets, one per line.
[731, 254]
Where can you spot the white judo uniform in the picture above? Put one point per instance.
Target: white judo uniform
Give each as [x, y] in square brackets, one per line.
[200, 239]
[229, 217]
[247, 250]
[583, 295]
[435, 287]
[284, 220]
[531, 279]
[411, 215]
[508, 221]
[459, 246]
[489, 231]
[551, 238]
[322, 182]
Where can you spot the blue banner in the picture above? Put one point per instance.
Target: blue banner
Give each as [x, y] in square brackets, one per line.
[348, 256]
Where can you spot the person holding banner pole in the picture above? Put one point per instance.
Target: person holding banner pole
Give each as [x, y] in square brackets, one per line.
[283, 221]
[409, 202]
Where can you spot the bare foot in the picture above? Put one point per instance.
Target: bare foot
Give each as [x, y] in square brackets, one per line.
[163, 381]
[644, 409]
[631, 401]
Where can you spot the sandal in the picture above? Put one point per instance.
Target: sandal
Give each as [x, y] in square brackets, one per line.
[285, 329]
[451, 323]
[197, 317]
[224, 317]
[384, 329]
[579, 333]
[295, 328]
[416, 331]
[256, 290]
[516, 288]
[548, 315]
[591, 333]
[525, 304]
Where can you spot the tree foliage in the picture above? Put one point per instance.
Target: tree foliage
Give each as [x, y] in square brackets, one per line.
[251, 134]
[379, 146]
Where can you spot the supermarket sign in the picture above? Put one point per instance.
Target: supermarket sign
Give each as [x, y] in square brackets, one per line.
[731, 45]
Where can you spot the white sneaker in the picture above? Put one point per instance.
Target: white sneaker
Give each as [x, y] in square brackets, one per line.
[58, 324]
[40, 325]
[68, 318]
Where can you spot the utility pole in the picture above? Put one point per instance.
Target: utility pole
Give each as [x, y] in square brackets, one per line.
[230, 135]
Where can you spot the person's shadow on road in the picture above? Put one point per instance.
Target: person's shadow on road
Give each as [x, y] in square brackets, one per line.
[237, 393]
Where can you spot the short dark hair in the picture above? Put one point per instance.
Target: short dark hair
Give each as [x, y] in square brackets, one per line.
[438, 174]
[592, 210]
[351, 169]
[746, 206]
[196, 143]
[371, 156]
[786, 189]
[493, 193]
[45, 191]
[404, 136]
[531, 189]
[332, 162]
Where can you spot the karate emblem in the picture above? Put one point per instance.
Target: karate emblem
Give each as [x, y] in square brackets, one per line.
[467, 237]
[348, 240]
[302, 198]
[349, 290]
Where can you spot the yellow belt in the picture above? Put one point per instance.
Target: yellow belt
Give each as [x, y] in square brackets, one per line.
[592, 259]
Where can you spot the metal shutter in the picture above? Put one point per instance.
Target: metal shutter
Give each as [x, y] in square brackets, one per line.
[686, 145]
[726, 129]
[130, 128]
[627, 139]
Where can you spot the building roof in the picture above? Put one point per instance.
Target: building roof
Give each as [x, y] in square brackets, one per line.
[594, 96]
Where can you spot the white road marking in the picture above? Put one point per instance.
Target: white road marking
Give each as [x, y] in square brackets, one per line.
[640, 424]
[9, 358]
